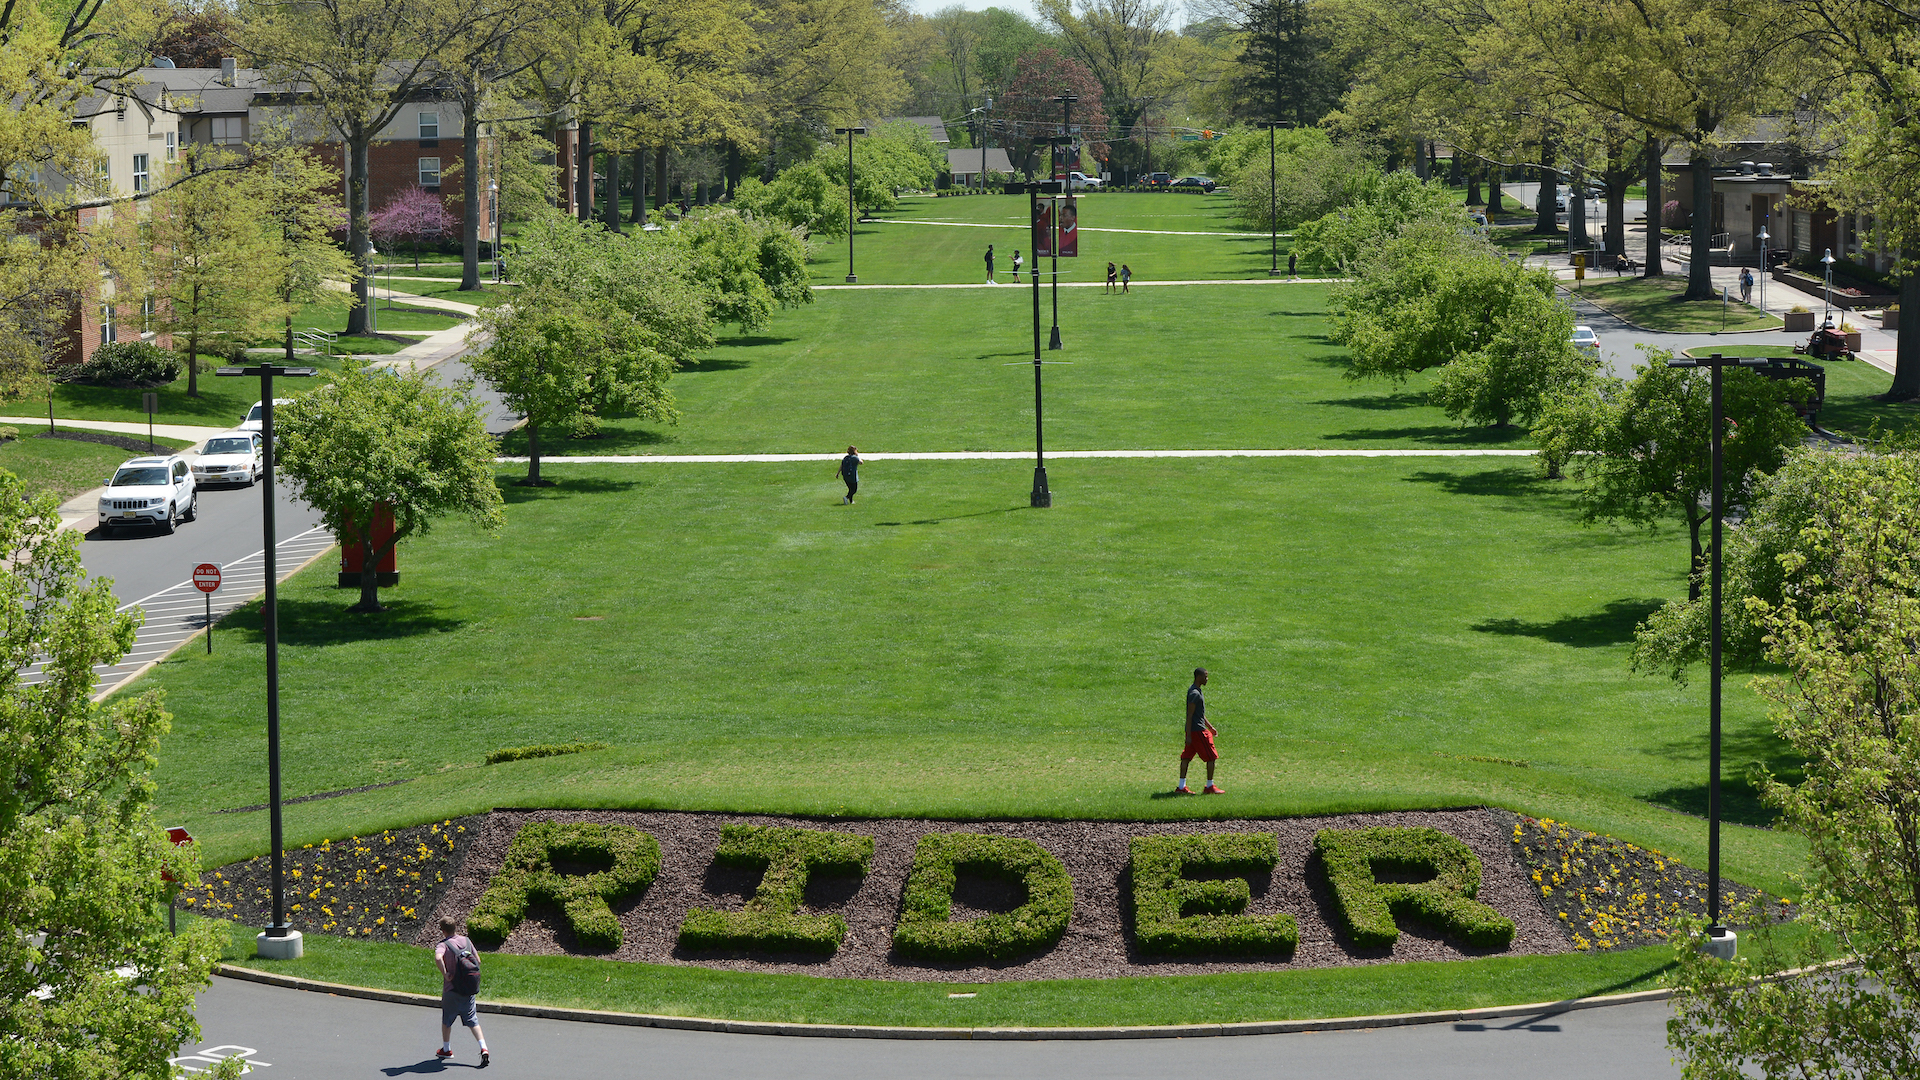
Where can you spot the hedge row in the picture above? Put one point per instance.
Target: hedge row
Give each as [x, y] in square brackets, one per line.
[1364, 907]
[127, 363]
[528, 875]
[926, 930]
[1177, 916]
[522, 753]
[772, 921]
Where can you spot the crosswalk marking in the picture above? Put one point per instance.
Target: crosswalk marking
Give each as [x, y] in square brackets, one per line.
[177, 613]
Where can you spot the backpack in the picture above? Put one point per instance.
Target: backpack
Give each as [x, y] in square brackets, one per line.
[465, 977]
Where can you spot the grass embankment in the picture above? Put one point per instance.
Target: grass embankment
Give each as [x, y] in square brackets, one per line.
[1221, 366]
[891, 251]
[1656, 304]
[744, 642]
[221, 402]
[584, 983]
[63, 466]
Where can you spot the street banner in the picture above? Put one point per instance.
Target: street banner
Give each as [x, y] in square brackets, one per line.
[1042, 231]
[1069, 229]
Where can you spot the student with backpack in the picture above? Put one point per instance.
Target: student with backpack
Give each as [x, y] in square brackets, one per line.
[459, 966]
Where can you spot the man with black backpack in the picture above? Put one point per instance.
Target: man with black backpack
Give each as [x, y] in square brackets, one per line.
[459, 986]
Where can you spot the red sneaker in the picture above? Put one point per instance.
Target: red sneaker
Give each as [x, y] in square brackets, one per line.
[443, 1053]
[1213, 789]
[1183, 790]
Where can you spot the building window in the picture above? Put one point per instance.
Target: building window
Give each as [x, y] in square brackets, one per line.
[173, 145]
[146, 314]
[108, 332]
[429, 125]
[140, 172]
[229, 129]
[106, 167]
[429, 172]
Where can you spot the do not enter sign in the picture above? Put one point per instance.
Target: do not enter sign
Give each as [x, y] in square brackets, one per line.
[206, 577]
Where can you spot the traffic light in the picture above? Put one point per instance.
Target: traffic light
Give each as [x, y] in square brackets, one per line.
[1208, 134]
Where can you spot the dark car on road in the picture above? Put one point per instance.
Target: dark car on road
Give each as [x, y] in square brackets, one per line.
[1158, 179]
[1200, 182]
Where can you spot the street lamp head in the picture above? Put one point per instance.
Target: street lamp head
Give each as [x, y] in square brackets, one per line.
[989, 102]
[1828, 258]
[1765, 235]
[850, 131]
[1068, 98]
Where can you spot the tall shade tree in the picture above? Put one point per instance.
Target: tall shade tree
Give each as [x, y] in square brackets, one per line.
[503, 39]
[81, 857]
[1846, 632]
[1641, 448]
[1128, 46]
[212, 254]
[352, 66]
[376, 440]
[1032, 115]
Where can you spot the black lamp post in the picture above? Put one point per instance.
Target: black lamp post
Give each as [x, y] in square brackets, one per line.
[1273, 194]
[1041, 495]
[280, 940]
[1066, 136]
[1720, 941]
[850, 132]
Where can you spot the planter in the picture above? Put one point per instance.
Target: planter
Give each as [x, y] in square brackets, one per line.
[1798, 321]
[1817, 287]
[1890, 320]
[1853, 341]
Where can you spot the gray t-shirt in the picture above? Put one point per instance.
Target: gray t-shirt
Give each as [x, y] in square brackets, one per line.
[1197, 705]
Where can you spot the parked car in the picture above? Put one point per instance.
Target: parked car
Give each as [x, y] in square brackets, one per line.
[149, 491]
[1586, 340]
[1158, 179]
[1200, 182]
[251, 421]
[1079, 181]
[231, 457]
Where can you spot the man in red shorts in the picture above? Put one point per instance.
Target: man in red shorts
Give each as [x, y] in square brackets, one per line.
[1199, 737]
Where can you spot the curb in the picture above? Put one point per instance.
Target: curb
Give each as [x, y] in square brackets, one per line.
[857, 1031]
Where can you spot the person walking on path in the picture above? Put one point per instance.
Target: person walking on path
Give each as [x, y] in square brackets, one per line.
[1199, 737]
[1746, 285]
[1126, 277]
[850, 472]
[1293, 264]
[1110, 274]
[990, 280]
[1016, 266]
[459, 988]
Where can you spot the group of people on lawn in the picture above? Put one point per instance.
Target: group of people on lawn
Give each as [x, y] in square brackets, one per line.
[1120, 278]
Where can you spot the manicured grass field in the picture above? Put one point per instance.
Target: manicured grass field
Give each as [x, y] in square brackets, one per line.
[1655, 303]
[1220, 366]
[583, 983]
[1383, 633]
[222, 402]
[63, 466]
[1850, 409]
[891, 251]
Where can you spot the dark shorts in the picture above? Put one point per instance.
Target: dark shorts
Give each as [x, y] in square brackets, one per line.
[1200, 745]
[461, 1007]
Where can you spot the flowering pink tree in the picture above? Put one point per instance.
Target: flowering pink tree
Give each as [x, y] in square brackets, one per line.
[416, 216]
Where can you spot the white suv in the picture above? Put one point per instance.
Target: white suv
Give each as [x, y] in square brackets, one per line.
[231, 457]
[252, 421]
[150, 491]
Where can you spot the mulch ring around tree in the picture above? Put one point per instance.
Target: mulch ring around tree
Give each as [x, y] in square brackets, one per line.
[1608, 894]
[383, 886]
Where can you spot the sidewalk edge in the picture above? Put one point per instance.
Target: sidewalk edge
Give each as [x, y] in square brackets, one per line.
[856, 1031]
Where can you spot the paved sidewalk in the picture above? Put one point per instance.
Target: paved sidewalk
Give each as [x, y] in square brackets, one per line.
[1023, 226]
[1137, 283]
[188, 432]
[996, 455]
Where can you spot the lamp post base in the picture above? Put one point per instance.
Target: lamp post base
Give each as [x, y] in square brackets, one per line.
[1041, 496]
[851, 280]
[1721, 943]
[278, 943]
[1054, 341]
[1273, 273]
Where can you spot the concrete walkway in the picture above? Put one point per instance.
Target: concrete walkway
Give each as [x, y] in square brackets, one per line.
[190, 433]
[1000, 455]
[1023, 226]
[1137, 283]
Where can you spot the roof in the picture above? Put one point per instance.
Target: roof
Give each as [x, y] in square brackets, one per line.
[968, 161]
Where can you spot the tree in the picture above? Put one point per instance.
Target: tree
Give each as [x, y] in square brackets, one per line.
[753, 265]
[378, 439]
[1380, 208]
[1523, 356]
[415, 215]
[211, 254]
[1282, 71]
[357, 64]
[1128, 47]
[802, 197]
[1316, 175]
[1641, 447]
[891, 158]
[196, 37]
[1847, 632]
[81, 856]
[1032, 115]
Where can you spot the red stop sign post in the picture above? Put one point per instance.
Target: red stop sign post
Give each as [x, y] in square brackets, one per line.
[179, 836]
[206, 578]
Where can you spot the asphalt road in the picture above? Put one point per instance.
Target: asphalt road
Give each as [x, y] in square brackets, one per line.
[299, 1035]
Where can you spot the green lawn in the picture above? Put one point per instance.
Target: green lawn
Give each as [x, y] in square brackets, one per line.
[1655, 304]
[584, 983]
[891, 251]
[222, 402]
[63, 466]
[1850, 409]
[941, 650]
[1224, 366]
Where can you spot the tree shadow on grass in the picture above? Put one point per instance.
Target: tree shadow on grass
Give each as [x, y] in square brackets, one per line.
[609, 441]
[1740, 750]
[320, 623]
[1377, 402]
[1611, 625]
[1510, 482]
[753, 341]
[554, 487]
[708, 364]
[950, 517]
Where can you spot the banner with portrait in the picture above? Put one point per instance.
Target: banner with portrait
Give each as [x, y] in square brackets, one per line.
[1069, 228]
[1042, 231]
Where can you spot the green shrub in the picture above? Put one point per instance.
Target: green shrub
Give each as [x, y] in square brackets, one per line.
[1177, 916]
[528, 875]
[522, 753]
[772, 921]
[926, 930]
[1364, 907]
[128, 363]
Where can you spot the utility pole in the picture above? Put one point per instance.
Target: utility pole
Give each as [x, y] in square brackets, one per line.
[850, 132]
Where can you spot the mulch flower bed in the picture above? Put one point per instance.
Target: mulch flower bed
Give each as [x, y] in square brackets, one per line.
[1608, 894]
[380, 886]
